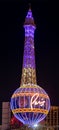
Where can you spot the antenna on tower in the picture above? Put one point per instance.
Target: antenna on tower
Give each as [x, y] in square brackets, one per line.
[30, 6]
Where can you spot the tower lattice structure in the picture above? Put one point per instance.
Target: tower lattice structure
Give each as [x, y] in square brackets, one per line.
[29, 69]
[29, 103]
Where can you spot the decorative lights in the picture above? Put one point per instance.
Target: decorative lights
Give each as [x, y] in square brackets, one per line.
[29, 103]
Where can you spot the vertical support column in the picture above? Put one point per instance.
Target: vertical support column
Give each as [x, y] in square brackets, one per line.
[6, 115]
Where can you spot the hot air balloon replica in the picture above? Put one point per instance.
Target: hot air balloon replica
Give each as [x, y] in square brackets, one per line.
[30, 103]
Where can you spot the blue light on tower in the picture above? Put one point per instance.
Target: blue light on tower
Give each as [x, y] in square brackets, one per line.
[30, 103]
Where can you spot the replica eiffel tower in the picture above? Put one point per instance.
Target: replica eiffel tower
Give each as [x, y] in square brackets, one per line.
[29, 103]
[29, 69]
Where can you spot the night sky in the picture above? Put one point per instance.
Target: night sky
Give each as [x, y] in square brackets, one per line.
[12, 16]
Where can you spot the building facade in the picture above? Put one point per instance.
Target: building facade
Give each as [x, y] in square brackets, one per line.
[52, 119]
[6, 115]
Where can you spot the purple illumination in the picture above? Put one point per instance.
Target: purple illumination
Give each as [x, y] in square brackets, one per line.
[29, 103]
[30, 118]
[29, 14]
[29, 30]
[29, 58]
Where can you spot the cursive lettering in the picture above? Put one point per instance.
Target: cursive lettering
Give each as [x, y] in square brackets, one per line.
[34, 100]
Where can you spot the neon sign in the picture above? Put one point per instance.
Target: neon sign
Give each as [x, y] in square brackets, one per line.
[34, 101]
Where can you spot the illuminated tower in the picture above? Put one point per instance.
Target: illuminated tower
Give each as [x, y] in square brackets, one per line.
[29, 71]
[29, 103]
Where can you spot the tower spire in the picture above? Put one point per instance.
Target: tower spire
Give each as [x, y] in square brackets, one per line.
[29, 20]
[29, 5]
[29, 69]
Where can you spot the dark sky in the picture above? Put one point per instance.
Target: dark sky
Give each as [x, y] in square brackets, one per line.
[12, 16]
